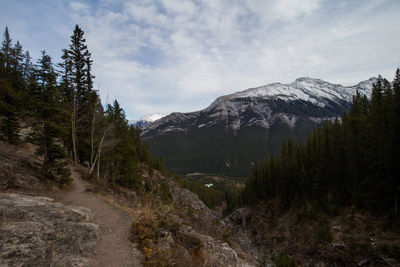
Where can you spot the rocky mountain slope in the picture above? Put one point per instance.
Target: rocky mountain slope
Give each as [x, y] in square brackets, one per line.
[180, 230]
[237, 130]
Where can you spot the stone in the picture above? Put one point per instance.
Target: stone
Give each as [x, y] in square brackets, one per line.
[35, 231]
[217, 252]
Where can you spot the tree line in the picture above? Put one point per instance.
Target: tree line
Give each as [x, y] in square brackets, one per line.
[352, 161]
[67, 117]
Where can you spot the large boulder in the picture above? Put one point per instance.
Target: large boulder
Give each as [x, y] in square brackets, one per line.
[35, 231]
[218, 253]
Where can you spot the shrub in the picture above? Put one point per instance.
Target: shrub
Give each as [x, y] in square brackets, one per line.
[324, 233]
[165, 193]
[284, 260]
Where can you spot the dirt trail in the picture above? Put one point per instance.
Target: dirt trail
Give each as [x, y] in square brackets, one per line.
[113, 246]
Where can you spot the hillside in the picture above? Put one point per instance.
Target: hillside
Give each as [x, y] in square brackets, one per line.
[238, 130]
[162, 222]
[313, 237]
[78, 185]
[333, 198]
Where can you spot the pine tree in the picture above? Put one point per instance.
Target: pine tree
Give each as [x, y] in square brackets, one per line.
[9, 96]
[17, 61]
[396, 141]
[48, 129]
[122, 161]
[9, 99]
[6, 47]
[27, 67]
[79, 95]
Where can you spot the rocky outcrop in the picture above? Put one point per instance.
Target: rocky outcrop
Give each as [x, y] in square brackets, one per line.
[35, 231]
[190, 228]
[185, 197]
[182, 196]
[240, 221]
[17, 167]
[218, 253]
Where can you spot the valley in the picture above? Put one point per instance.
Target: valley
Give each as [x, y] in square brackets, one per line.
[238, 130]
[293, 171]
[212, 188]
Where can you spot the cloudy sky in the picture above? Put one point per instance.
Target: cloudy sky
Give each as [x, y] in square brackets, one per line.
[179, 55]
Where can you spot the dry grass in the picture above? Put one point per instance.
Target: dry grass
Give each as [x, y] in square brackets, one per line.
[152, 218]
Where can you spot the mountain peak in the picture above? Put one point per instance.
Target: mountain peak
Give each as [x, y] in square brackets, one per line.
[307, 79]
[257, 119]
[304, 88]
[146, 119]
[152, 117]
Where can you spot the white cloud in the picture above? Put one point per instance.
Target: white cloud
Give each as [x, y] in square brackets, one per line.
[146, 13]
[78, 6]
[170, 55]
[282, 10]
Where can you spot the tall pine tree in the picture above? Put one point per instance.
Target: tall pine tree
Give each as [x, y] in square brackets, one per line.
[79, 95]
[48, 129]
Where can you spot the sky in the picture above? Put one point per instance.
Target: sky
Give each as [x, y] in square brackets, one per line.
[179, 55]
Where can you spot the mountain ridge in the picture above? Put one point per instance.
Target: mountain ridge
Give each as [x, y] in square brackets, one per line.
[247, 125]
[255, 93]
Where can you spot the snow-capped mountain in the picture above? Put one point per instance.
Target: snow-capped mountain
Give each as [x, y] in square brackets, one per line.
[239, 129]
[146, 119]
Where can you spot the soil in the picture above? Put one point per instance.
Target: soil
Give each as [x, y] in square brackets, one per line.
[113, 247]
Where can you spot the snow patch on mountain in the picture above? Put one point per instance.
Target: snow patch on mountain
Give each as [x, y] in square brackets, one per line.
[307, 89]
[146, 119]
[263, 106]
[152, 117]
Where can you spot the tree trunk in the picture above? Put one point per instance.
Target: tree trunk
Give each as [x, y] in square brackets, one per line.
[97, 158]
[73, 132]
[106, 172]
[98, 167]
[92, 139]
[46, 147]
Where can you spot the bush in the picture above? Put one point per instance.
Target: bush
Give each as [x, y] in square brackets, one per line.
[284, 260]
[57, 172]
[165, 193]
[324, 233]
[146, 230]
[264, 260]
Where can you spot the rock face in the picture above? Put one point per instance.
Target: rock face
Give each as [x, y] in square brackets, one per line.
[218, 253]
[194, 225]
[240, 221]
[237, 130]
[187, 198]
[184, 197]
[17, 168]
[35, 231]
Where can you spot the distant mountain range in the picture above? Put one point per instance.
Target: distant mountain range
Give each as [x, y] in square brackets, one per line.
[239, 129]
[146, 119]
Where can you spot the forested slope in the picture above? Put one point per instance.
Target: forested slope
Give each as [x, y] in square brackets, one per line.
[354, 160]
[67, 118]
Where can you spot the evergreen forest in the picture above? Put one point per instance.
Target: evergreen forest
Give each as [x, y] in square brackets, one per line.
[69, 121]
[353, 161]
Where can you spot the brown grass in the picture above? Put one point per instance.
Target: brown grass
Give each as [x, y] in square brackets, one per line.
[150, 219]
